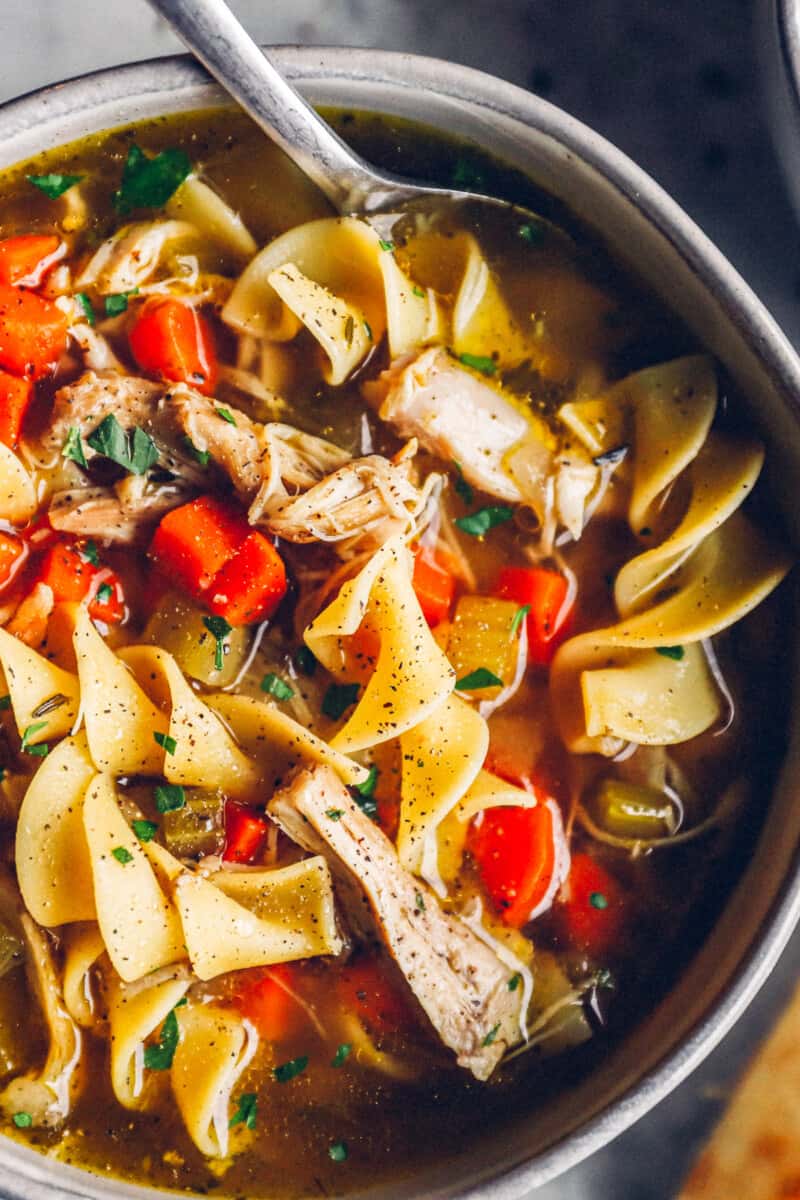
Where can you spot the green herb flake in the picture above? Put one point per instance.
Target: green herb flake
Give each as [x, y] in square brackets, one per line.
[30, 732]
[338, 698]
[226, 415]
[463, 489]
[491, 1035]
[305, 660]
[480, 678]
[291, 1069]
[54, 184]
[159, 1057]
[201, 456]
[342, 1052]
[73, 447]
[104, 593]
[90, 553]
[166, 742]
[598, 900]
[368, 329]
[531, 233]
[219, 629]
[273, 685]
[334, 814]
[22, 1120]
[367, 788]
[132, 449]
[246, 1111]
[337, 1151]
[519, 617]
[86, 305]
[514, 981]
[418, 291]
[5, 702]
[479, 523]
[117, 303]
[676, 652]
[387, 246]
[149, 182]
[479, 362]
[419, 902]
[169, 797]
[145, 830]
[122, 855]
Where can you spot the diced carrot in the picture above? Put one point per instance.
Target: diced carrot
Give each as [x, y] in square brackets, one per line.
[549, 619]
[173, 340]
[245, 834]
[26, 259]
[15, 396]
[592, 914]
[365, 988]
[252, 583]
[72, 578]
[13, 552]
[434, 585]
[265, 1000]
[514, 851]
[33, 332]
[388, 815]
[194, 542]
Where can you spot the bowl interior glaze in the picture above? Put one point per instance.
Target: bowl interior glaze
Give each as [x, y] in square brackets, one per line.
[646, 231]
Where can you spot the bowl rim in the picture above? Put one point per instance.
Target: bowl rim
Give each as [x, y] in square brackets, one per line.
[743, 310]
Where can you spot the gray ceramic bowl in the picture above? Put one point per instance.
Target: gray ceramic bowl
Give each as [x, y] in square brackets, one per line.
[779, 51]
[646, 230]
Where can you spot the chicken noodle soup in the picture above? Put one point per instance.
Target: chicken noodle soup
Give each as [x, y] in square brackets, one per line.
[373, 732]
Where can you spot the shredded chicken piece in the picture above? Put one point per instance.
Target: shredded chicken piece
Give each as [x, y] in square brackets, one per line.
[459, 981]
[128, 259]
[233, 445]
[360, 506]
[123, 515]
[96, 350]
[49, 1093]
[84, 403]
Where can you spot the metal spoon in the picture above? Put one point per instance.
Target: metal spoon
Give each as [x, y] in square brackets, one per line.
[215, 36]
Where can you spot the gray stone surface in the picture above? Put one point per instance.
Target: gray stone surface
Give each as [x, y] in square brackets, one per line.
[673, 84]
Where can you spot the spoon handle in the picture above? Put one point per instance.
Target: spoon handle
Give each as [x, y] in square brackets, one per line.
[215, 36]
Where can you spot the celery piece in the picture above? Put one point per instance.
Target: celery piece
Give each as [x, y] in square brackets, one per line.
[198, 828]
[177, 625]
[479, 644]
[631, 810]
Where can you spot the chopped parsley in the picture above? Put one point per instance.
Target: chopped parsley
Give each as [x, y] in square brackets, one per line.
[598, 900]
[118, 302]
[532, 233]
[463, 489]
[291, 1069]
[169, 797]
[122, 855]
[514, 981]
[86, 305]
[166, 742]
[22, 1120]
[132, 449]
[54, 184]
[29, 732]
[273, 685]
[145, 830]
[219, 629]
[246, 1111]
[334, 814]
[484, 519]
[611, 457]
[482, 677]
[201, 456]
[89, 552]
[519, 617]
[342, 1052]
[226, 415]
[160, 1056]
[676, 652]
[5, 702]
[73, 446]
[305, 660]
[491, 1035]
[367, 788]
[338, 698]
[479, 362]
[149, 182]
[104, 593]
[388, 246]
[417, 290]
[419, 902]
[337, 1151]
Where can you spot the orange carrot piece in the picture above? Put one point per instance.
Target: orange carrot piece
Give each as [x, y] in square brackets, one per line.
[434, 586]
[26, 259]
[592, 914]
[194, 542]
[514, 851]
[245, 834]
[251, 585]
[15, 396]
[548, 621]
[263, 999]
[33, 332]
[173, 340]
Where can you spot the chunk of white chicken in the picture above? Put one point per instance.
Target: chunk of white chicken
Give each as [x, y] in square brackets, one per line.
[458, 980]
[500, 448]
[123, 515]
[83, 404]
[127, 260]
